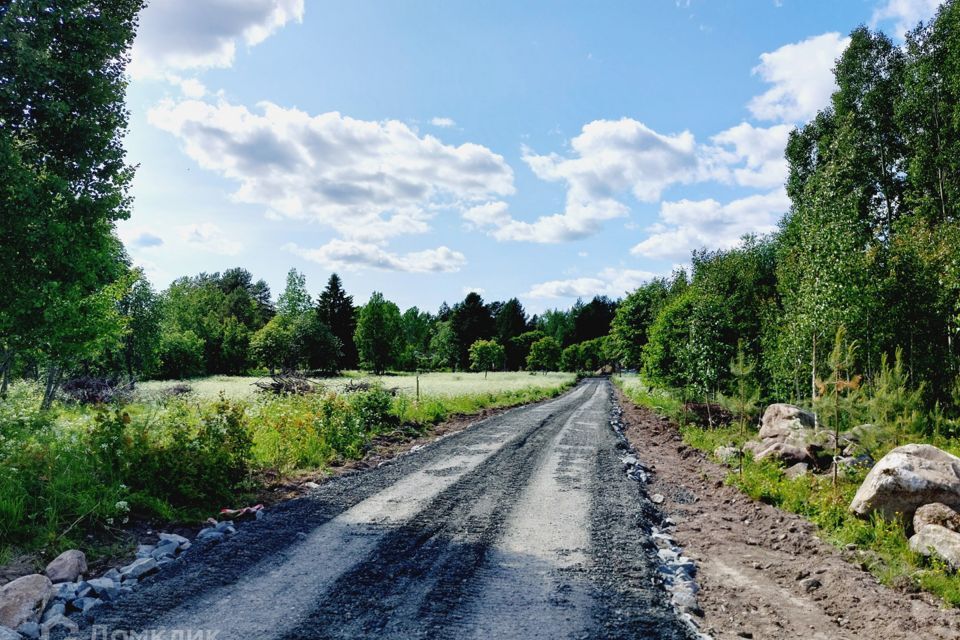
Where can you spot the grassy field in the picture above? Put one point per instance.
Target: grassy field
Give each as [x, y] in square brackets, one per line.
[883, 545]
[76, 476]
[447, 385]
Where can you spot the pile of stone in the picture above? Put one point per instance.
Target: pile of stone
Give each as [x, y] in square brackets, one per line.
[790, 434]
[33, 606]
[919, 484]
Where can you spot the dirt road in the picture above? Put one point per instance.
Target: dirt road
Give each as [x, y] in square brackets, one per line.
[522, 526]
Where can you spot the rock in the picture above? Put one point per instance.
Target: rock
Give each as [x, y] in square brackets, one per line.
[907, 478]
[796, 471]
[7, 633]
[29, 630]
[113, 574]
[782, 420]
[65, 591]
[105, 588]
[168, 548]
[210, 534]
[788, 453]
[172, 537]
[139, 567]
[57, 622]
[933, 539]
[727, 455]
[24, 599]
[144, 550]
[810, 584]
[936, 513]
[57, 609]
[67, 567]
[657, 498]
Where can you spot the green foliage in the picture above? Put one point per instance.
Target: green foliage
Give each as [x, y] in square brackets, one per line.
[634, 316]
[379, 333]
[895, 406]
[335, 309]
[180, 354]
[585, 356]
[486, 355]
[544, 355]
[470, 321]
[746, 396]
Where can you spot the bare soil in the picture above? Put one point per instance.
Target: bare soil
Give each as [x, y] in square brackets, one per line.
[763, 572]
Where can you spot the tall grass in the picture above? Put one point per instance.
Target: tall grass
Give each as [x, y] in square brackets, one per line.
[72, 470]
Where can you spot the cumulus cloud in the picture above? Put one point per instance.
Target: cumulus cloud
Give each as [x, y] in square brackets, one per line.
[802, 77]
[686, 225]
[904, 14]
[609, 282]
[207, 236]
[756, 154]
[349, 254]
[610, 159]
[368, 180]
[199, 34]
[444, 123]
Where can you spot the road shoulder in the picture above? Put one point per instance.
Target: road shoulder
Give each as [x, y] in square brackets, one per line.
[764, 573]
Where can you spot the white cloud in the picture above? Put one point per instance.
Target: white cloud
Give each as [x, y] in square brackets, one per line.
[802, 77]
[368, 180]
[610, 282]
[904, 14]
[477, 290]
[761, 152]
[207, 236]
[686, 225]
[189, 87]
[200, 34]
[348, 254]
[444, 123]
[612, 159]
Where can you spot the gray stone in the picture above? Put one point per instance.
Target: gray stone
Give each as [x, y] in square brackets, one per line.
[56, 622]
[139, 567]
[168, 548]
[934, 539]
[29, 630]
[6, 633]
[260, 515]
[797, 471]
[113, 574]
[782, 420]
[173, 537]
[105, 588]
[810, 584]
[907, 478]
[211, 534]
[56, 609]
[24, 599]
[65, 591]
[67, 567]
[788, 453]
[82, 604]
[936, 513]
[144, 550]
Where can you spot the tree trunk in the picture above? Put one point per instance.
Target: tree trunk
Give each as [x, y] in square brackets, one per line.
[7, 366]
[53, 382]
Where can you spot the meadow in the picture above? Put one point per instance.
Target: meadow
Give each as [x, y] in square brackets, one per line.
[80, 476]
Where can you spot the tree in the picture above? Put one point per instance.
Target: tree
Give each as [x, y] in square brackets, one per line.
[471, 321]
[544, 355]
[379, 333]
[486, 355]
[295, 300]
[417, 332]
[336, 310]
[511, 322]
[746, 395]
[443, 346]
[62, 164]
[522, 343]
[593, 319]
[632, 320]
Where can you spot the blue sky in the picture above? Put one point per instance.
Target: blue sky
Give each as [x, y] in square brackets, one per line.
[545, 150]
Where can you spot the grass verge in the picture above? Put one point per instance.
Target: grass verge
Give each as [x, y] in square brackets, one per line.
[882, 545]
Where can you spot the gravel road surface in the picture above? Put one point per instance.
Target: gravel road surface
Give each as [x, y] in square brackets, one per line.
[523, 525]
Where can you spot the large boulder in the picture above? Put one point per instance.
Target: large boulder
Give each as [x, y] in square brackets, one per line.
[933, 539]
[789, 454]
[24, 599]
[781, 421]
[907, 478]
[936, 513]
[67, 567]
